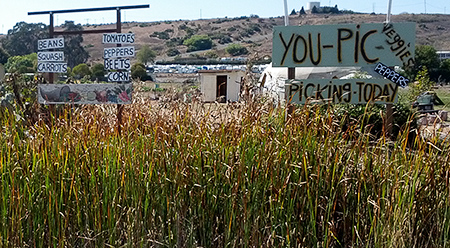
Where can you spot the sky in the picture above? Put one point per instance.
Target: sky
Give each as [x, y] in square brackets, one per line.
[14, 11]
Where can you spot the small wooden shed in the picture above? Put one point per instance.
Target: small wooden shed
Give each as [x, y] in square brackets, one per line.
[221, 85]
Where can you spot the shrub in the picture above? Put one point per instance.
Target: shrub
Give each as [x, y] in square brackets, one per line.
[236, 49]
[138, 71]
[172, 52]
[98, 71]
[198, 42]
[81, 70]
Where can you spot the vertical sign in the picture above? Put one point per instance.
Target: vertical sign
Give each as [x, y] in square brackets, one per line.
[117, 59]
[51, 61]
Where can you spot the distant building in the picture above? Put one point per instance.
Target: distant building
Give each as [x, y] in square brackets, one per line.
[221, 85]
[311, 5]
[443, 54]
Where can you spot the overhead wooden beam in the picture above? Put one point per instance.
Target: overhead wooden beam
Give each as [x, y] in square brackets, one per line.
[89, 9]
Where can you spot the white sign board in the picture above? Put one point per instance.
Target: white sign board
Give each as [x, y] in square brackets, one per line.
[50, 56]
[118, 52]
[84, 93]
[117, 64]
[50, 44]
[127, 38]
[52, 67]
[118, 76]
[344, 45]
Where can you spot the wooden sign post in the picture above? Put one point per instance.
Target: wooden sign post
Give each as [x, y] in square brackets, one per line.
[378, 46]
[118, 39]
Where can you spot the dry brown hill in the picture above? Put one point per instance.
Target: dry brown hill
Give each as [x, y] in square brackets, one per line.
[256, 33]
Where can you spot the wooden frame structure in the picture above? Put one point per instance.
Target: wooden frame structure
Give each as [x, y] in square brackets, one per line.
[118, 29]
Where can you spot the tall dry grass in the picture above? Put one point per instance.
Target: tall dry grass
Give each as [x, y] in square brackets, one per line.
[197, 175]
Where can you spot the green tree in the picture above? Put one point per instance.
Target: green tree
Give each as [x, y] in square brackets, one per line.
[236, 49]
[302, 11]
[423, 83]
[198, 42]
[426, 56]
[98, 71]
[22, 63]
[138, 71]
[146, 54]
[293, 12]
[3, 56]
[23, 38]
[81, 70]
[444, 70]
[211, 54]
[172, 52]
[73, 50]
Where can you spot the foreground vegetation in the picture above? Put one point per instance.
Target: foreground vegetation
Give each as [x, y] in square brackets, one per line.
[218, 176]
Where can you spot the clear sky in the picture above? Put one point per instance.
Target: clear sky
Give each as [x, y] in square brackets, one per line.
[13, 11]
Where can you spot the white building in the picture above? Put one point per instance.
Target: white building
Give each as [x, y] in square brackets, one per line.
[221, 85]
[443, 54]
[311, 5]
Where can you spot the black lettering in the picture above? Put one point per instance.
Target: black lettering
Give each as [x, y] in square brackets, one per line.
[356, 53]
[360, 90]
[368, 92]
[342, 38]
[386, 27]
[305, 50]
[396, 39]
[406, 54]
[320, 91]
[319, 51]
[286, 47]
[337, 92]
[348, 89]
[363, 47]
[377, 92]
[293, 88]
[306, 90]
[400, 44]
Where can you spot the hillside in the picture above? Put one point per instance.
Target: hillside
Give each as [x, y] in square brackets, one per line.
[256, 33]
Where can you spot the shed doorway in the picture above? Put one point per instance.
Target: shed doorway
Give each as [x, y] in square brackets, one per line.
[221, 88]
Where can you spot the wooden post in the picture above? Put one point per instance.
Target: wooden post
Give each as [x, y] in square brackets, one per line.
[119, 106]
[51, 79]
[290, 108]
[389, 119]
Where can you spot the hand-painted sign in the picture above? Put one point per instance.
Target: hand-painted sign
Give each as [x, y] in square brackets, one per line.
[117, 64]
[344, 45]
[50, 43]
[391, 74]
[52, 67]
[355, 91]
[84, 93]
[127, 38]
[118, 52]
[118, 76]
[50, 56]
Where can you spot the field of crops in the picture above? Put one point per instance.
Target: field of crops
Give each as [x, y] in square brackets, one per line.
[193, 175]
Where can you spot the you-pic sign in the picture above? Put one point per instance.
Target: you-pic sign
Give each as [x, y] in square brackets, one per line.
[344, 45]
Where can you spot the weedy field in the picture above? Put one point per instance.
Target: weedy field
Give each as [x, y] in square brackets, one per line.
[236, 175]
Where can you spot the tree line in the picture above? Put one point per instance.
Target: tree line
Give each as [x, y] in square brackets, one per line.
[23, 38]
